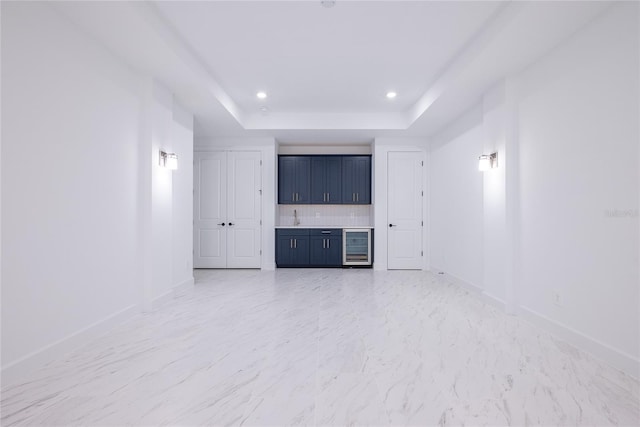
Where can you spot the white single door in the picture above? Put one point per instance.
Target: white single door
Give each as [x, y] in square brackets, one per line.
[404, 211]
[244, 210]
[210, 210]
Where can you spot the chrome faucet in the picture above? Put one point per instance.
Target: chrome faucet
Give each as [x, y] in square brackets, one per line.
[296, 221]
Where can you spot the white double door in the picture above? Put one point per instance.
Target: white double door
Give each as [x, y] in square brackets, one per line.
[405, 198]
[227, 209]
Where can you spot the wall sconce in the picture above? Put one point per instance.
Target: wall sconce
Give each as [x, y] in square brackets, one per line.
[168, 160]
[487, 161]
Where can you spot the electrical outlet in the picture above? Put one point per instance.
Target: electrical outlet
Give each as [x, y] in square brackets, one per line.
[557, 298]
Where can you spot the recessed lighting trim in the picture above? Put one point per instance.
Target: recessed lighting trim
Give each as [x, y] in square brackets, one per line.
[261, 95]
[391, 95]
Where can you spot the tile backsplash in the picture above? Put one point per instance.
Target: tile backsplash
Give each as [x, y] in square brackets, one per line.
[326, 215]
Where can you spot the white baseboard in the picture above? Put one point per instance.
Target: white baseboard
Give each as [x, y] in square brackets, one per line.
[457, 281]
[183, 286]
[161, 300]
[269, 266]
[494, 301]
[616, 358]
[21, 369]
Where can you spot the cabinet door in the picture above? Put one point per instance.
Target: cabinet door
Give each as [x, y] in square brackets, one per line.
[284, 249]
[286, 179]
[356, 180]
[294, 179]
[334, 251]
[318, 252]
[318, 180]
[333, 179]
[300, 251]
[326, 175]
[302, 183]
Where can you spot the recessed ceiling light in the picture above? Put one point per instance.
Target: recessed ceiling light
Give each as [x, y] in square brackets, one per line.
[391, 95]
[261, 95]
[328, 3]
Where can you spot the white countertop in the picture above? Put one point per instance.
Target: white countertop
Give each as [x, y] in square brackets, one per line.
[325, 226]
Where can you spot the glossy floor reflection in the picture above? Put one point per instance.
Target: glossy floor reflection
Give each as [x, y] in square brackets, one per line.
[324, 347]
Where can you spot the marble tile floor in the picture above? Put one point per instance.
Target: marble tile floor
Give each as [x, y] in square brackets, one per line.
[324, 347]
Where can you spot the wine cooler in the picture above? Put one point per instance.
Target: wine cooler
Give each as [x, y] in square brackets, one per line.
[356, 246]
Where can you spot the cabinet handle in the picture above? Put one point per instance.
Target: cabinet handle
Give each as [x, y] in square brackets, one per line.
[293, 197]
[297, 197]
[392, 225]
[328, 244]
[353, 197]
[295, 243]
[222, 224]
[324, 243]
[328, 197]
[357, 197]
[230, 224]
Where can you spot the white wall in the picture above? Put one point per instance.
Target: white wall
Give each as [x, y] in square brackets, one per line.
[456, 218]
[381, 149]
[578, 137]
[558, 218]
[70, 128]
[182, 187]
[76, 185]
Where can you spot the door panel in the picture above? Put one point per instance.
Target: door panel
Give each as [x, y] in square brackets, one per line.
[317, 255]
[302, 180]
[210, 194]
[404, 210]
[356, 180]
[334, 251]
[333, 177]
[301, 250]
[318, 180]
[244, 210]
[286, 179]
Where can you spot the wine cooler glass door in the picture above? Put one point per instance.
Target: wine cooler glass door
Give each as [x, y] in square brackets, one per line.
[356, 247]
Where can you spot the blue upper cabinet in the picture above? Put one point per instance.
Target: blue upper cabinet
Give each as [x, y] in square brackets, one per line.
[356, 180]
[326, 176]
[294, 179]
[323, 180]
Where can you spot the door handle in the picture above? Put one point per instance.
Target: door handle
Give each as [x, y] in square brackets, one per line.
[393, 225]
[222, 224]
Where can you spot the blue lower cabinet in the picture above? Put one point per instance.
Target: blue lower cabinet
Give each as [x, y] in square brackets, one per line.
[292, 247]
[308, 247]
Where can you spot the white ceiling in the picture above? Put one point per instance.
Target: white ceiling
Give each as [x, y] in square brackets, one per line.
[326, 71]
[312, 59]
